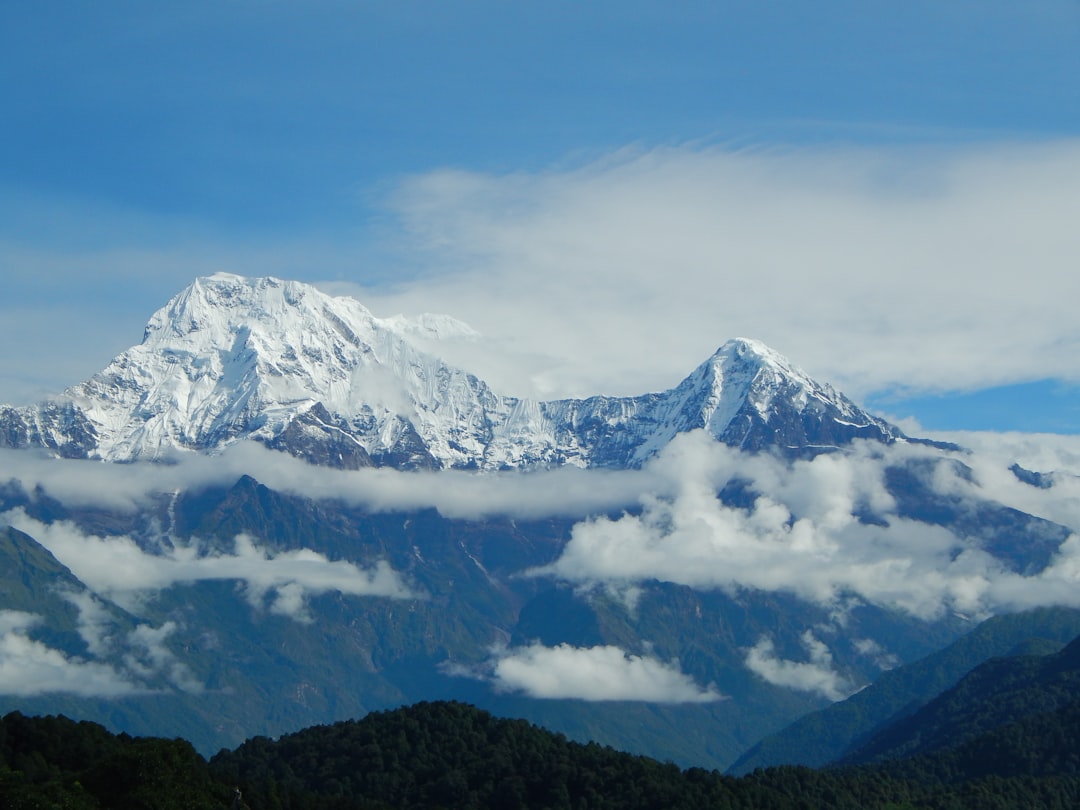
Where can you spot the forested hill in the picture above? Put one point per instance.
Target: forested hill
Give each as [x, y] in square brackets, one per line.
[828, 735]
[1010, 695]
[452, 755]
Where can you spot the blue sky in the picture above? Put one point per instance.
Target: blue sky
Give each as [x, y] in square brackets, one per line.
[607, 191]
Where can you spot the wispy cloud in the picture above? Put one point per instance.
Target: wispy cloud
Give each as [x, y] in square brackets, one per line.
[128, 487]
[281, 582]
[601, 673]
[29, 667]
[932, 268]
[120, 659]
[813, 675]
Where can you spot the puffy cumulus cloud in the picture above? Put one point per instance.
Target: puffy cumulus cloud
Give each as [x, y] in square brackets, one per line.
[29, 668]
[813, 675]
[118, 568]
[804, 534]
[930, 267]
[592, 673]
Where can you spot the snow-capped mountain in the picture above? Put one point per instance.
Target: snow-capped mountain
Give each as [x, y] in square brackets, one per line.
[281, 362]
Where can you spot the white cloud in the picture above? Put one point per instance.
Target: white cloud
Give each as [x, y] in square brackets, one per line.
[96, 626]
[929, 268]
[593, 673]
[455, 494]
[803, 535]
[118, 568]
[29, 668]
[148, 657]
[881, 657]
[815, 675]
[121, 662]
[994, 453]
[923, 268]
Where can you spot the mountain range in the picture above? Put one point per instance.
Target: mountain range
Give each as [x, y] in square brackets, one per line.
[304, 517]
[320, 377]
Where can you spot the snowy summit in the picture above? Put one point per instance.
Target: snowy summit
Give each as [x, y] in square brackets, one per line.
[233, 358]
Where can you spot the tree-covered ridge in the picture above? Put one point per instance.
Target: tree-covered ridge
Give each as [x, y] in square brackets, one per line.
[827, 735]
[54, 762]
[1010, 691]
[451, 755]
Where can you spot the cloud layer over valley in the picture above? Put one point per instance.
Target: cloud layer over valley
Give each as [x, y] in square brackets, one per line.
[118, 568]
[827, 530]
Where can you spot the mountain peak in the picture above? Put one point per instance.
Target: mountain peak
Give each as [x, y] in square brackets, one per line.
[757, 398]
[281, 362]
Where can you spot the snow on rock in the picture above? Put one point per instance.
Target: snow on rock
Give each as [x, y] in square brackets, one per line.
[231, 358]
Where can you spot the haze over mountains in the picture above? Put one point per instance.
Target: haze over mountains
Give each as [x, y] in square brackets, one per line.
[315, 518]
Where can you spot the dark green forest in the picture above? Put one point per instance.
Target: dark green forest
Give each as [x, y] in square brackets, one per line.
[451, 755]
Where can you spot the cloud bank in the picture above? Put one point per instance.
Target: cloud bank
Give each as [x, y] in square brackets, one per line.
[568, 492]
[874, 268]
[804, 534]
[601, 673]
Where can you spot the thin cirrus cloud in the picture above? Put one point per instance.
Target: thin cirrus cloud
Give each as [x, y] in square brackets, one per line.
[601, 673]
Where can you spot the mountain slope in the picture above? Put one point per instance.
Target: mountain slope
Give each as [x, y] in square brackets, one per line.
[258, 668]
[231, 358]
[824, 736]
[997, 693]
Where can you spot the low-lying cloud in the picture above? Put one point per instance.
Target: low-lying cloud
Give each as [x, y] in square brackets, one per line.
[603, 673]
[813, 675]
[29, 668]
[120, 659]
[282, 582]
[569, 491]
[804, 534]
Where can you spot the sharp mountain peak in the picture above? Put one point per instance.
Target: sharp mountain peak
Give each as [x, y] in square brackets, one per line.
[232, 358]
